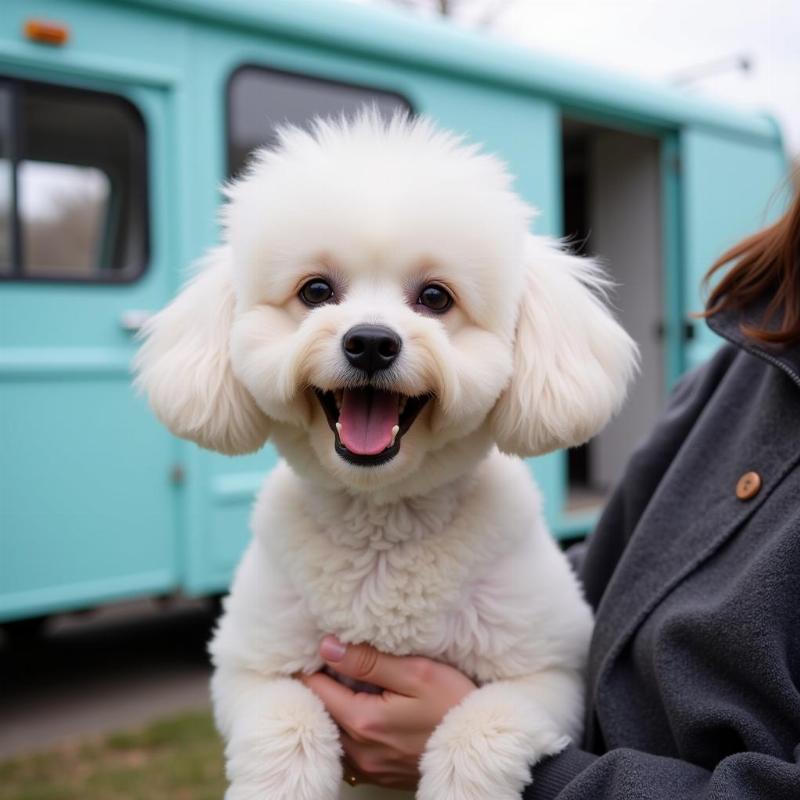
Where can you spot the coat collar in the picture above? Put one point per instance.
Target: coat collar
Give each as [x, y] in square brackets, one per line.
[728, 325]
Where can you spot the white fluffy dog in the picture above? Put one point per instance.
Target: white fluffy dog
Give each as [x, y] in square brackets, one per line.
[379, 311]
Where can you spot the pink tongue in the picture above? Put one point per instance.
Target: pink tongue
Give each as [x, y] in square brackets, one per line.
[367, 418]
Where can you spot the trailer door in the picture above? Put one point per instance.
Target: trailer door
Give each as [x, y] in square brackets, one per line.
[86, 505]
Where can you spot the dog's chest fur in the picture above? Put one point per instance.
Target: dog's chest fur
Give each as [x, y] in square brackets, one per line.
[398, 575]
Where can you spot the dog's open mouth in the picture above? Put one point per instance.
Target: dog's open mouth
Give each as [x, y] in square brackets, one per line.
[368, 423]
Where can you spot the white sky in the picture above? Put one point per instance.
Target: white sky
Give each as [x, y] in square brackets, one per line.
[654, 39]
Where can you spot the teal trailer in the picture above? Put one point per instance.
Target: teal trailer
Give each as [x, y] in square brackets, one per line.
[118, 124]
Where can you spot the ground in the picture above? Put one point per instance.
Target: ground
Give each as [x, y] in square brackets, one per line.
[177, 758]
[111, 705]
[115, 669]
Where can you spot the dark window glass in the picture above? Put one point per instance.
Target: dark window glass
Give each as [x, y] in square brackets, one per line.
[259, 100]
[79, 206]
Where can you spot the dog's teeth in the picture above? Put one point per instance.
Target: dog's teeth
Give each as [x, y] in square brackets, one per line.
[339, 428]
[403, 401]
[395, 431]
[337, 396]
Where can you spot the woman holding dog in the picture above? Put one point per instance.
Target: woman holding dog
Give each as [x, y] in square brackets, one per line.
[693, 572]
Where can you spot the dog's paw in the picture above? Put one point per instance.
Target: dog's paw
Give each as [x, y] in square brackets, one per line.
[484, 748]
[289, 751]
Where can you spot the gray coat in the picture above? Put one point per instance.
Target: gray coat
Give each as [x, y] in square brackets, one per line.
[694, 673]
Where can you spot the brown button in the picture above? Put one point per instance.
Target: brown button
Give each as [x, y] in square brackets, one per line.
[748, 486]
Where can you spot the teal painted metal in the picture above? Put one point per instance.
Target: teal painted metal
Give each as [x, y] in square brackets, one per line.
[400, 39]
[729, 189]
[91, 506]
[671, 244]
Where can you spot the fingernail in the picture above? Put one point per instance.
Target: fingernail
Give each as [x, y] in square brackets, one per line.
[331, 649]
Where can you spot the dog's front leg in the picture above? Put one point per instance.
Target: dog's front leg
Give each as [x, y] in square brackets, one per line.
[485, 746]
[281, 743]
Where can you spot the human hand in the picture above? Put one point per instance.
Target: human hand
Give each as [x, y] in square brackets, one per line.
[384, 735]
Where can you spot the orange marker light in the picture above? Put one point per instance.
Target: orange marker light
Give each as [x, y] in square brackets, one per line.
[52, 33]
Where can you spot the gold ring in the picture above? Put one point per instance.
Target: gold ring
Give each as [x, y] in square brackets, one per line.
[350, 778]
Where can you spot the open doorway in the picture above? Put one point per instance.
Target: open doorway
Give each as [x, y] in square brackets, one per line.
[612, 210]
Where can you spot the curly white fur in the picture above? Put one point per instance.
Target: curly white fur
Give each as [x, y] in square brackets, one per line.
[441, 551]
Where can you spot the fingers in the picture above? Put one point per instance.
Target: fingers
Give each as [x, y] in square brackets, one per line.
[364, 663]
[338, 699]
[376, 764]
[365, 718]
[362, 716]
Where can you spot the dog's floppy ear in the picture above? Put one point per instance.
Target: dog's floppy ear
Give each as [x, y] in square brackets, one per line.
[184, 365]
[572, 360]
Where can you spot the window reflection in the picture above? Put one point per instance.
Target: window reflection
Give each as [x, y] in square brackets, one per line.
[5, 216]
[63, 211]
[6, 177]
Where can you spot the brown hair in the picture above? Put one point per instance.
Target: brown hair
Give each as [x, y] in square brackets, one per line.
[766, 263]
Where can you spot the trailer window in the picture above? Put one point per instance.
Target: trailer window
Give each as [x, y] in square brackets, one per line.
[261, 99]
[6, 180]
[76, 206]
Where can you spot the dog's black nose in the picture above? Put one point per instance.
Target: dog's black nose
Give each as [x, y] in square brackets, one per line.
[371, 347]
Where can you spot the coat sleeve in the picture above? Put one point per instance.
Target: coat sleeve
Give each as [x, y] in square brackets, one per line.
[625, 774]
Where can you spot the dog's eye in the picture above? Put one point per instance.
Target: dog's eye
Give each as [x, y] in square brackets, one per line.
[316, 292]
[435, 298]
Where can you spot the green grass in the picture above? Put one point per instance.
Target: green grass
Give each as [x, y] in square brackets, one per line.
[178, 758]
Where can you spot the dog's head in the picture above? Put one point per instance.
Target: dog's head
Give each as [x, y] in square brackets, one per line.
[380, 309]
